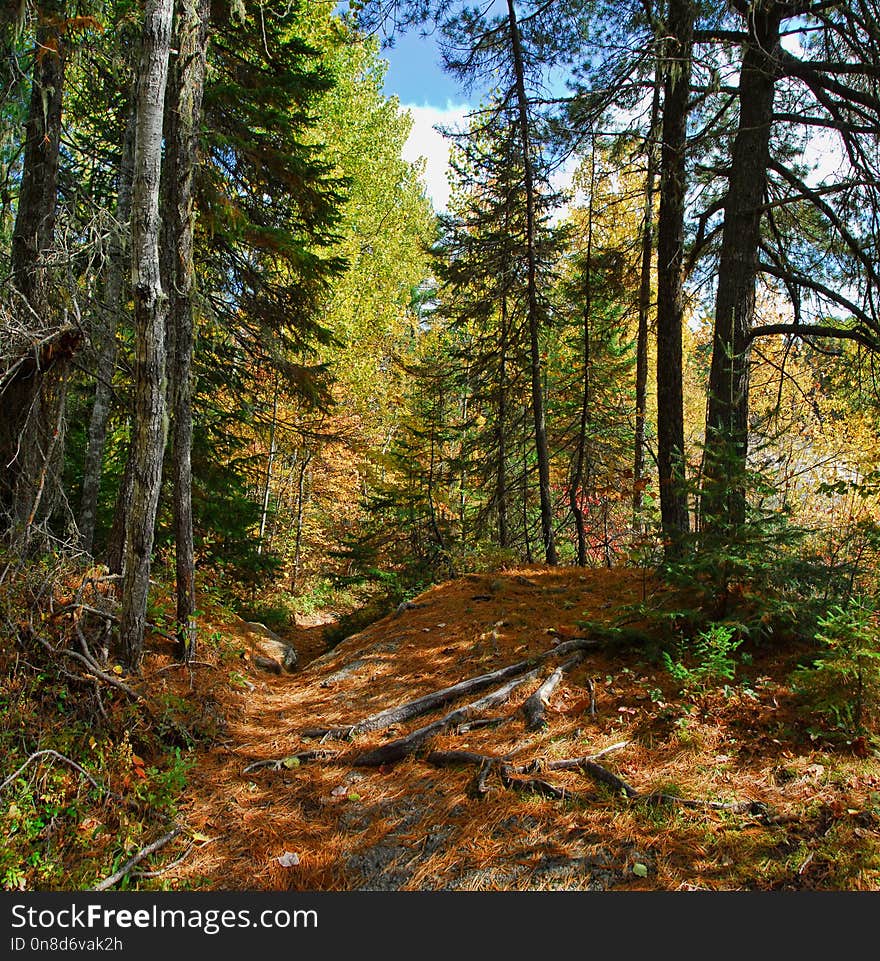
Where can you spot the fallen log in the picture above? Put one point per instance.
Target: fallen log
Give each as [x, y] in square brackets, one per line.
[421, 705]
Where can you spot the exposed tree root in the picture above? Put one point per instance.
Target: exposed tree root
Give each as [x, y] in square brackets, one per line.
[404, 746]
[508, 775]
[429, 702]
[535, 706]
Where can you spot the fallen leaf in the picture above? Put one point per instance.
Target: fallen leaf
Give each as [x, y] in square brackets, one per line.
[290, 762]
[640, 870]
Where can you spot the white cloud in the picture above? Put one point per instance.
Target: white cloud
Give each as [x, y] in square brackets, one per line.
[425, 141]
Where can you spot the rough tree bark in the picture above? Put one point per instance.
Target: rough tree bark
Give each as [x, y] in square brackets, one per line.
[106, 344]
[723, 497]
[150, 308]
[677, 53]
[32, 426]
[182, 137]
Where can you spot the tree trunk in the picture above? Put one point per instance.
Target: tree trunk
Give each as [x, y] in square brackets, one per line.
[576, 489]
[644, 312]
[188, 82]
[677, 54]
[108, 321]
[150, 308]
[32, 426]
[501, 476]
[300, 507]
[723, 498]
[270, 463]
[34, 232]
[534, 312]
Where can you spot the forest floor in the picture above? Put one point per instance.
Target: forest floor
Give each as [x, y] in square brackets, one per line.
[273, 807]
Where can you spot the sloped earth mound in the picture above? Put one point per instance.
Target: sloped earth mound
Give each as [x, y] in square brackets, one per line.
[724, 791]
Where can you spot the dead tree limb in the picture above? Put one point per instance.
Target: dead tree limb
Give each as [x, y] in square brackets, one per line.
[117, 876]
[404, 746]
[567, 764]
[422, 705]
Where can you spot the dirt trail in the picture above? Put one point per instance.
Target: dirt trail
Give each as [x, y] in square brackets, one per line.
[411, 826]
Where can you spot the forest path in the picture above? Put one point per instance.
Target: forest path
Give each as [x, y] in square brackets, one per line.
[330, 824]
[406, 825]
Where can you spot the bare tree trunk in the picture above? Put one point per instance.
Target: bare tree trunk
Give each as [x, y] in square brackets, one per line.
[150, 303]
[270, 463]
[188, 82]
[644, 312]
[577, 474]
[670, 279]
[107, 350]
[501, 477]
[300, 506]
[723, 498]
[525, 487]
[534, 312]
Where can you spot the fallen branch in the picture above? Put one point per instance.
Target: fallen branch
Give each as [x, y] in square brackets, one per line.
[535, 706]
[131, 862]
[404, 746]
[90, 665]
[422, 705]
[567, 764]
[60, 757]
[166, 867]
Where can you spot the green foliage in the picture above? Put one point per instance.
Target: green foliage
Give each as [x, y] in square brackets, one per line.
[843, 684]
[706, 660]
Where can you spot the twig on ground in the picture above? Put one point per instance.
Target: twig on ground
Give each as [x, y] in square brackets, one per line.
[117, 876]
[278, 764]
[168, 867]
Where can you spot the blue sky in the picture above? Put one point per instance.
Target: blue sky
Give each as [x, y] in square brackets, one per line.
[415, 76]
